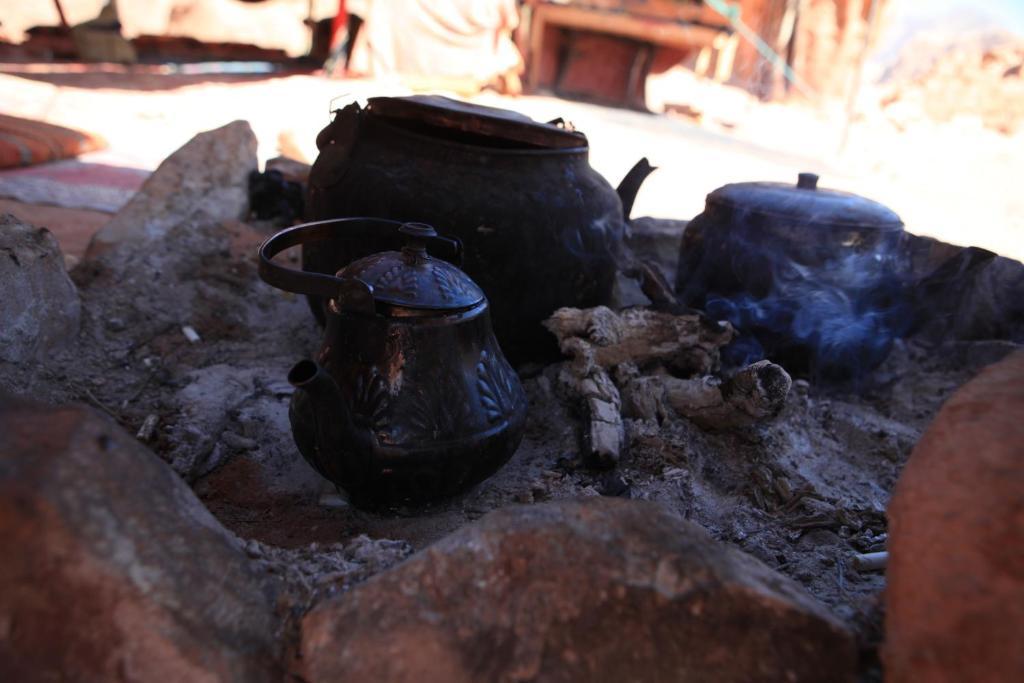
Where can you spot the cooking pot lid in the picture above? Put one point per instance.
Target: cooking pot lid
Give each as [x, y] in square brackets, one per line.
[806, 202]
[412, 278]
[491, 122]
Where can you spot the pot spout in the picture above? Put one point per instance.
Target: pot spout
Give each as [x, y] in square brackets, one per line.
[330, 412]
[630, 185]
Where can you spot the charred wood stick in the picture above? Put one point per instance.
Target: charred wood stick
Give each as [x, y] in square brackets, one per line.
[148, 428]
[604, 434]
[871, 562]
[191, 334]
[99, 404]
[654, 286]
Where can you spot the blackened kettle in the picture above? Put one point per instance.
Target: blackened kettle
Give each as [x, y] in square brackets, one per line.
[811, 278]
[410, 398]
[541, 228]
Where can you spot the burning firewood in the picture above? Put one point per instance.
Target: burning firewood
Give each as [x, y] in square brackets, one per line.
[755, 393]
[625, 357]
[604, 435]
[687, 344]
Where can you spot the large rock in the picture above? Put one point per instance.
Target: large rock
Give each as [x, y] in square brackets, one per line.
[955, 595]
[607, 590]
[971, 294]
[39, 308]
[112, 569]
[205, 181]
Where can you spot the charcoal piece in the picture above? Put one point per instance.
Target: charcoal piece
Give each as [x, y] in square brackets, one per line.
[271, 196]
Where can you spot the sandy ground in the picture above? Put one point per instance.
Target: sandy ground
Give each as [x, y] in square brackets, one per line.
[956, 181]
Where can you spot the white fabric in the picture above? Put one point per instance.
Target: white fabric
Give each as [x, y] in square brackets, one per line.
[441, 39]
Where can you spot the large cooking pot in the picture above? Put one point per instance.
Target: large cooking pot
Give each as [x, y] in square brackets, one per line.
[541, 228]
[811, 278]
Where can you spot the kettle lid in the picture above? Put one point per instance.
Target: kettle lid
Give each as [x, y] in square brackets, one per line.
[806, 202]
[412, 278]
[482, 122]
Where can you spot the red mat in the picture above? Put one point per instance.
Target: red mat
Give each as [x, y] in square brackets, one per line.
[74, 184]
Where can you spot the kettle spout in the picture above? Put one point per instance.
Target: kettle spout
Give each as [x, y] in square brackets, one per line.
[330, 413]
[630, 185]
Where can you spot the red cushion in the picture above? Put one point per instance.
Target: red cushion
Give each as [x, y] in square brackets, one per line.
[24, 142]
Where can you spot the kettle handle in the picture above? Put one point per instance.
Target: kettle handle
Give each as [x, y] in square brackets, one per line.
[323, 284]
[293, 279]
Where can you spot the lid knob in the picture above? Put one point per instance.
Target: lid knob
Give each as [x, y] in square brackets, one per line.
[420, 230]
[807, 181]
[415, 250]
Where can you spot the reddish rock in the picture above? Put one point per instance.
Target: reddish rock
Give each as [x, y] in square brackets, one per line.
[606, 590]
[112, 569]
[955, 594]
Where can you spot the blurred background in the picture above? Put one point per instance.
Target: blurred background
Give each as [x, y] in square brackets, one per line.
[915, 104]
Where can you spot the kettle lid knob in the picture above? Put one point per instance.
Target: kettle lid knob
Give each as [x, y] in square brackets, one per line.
[807, 181]
[417, 230]
[412, 278]
[415, 250]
